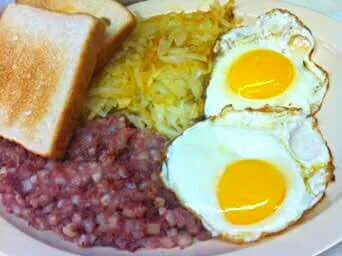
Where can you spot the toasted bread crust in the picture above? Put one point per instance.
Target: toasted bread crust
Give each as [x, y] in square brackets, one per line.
[107, 52]
[116, 33]
[71, 112]
[45, 70]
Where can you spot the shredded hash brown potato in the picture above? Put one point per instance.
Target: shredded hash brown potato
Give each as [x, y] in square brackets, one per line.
[158, 78]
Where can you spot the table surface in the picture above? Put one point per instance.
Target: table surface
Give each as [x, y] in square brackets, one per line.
[335, 251]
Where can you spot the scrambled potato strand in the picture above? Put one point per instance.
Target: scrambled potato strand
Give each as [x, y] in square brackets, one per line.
[159, 77]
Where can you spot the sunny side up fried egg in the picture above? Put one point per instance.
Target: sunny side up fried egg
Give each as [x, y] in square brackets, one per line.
[268, 64]
[249, 173]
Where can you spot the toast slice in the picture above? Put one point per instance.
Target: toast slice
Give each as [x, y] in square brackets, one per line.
[120, 20]
[46, 62]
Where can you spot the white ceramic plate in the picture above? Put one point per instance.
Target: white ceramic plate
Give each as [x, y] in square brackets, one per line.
[320, 229]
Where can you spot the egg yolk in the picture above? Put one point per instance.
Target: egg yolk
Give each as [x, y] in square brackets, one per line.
[261, 74]
[249, 191]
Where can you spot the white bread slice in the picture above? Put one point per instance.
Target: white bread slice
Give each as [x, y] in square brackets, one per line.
[119, 19]
[46, 62]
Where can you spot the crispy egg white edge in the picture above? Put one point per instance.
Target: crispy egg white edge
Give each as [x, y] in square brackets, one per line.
[283, 124]
[218, 94]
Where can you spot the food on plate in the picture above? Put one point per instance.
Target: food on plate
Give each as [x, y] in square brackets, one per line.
[46, 62]
[256, 172]
[251, 169]
[159, 76]
[107, 191]
[120, 22]
[267, 64]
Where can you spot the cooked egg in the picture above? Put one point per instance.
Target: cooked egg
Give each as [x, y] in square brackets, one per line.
[268, 64]
[249, 173]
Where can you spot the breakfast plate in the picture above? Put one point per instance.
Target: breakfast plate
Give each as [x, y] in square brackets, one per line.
[315, 233]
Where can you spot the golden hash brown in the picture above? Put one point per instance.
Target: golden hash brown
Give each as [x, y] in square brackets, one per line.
[159, 77]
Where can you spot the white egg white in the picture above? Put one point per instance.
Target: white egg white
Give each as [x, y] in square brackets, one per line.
[284, 33]
[196, 160]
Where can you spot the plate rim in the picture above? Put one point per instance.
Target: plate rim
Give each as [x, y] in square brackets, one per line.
[268, 248]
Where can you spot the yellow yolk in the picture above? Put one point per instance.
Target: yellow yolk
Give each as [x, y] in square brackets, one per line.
[250, 191]
[261, 74]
